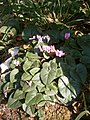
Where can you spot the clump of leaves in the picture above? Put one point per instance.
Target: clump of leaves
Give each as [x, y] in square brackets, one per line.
[41, 73]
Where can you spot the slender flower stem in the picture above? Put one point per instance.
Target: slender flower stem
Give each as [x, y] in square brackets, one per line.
[85, 105]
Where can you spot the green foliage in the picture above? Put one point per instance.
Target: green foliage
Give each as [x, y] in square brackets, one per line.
[82, 114]
[36, 76]
[48, 72]
[66, 89]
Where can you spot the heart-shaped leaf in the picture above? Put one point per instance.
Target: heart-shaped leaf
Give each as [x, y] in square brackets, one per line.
[26, 76]
[13, 74]
[66, 89]
[34, 71]
[48, 72]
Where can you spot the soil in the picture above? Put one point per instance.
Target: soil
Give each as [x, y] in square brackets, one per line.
[51, 112]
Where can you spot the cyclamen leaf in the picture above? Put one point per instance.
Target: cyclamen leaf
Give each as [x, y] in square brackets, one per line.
[59, 72]
[28, 109]
[30, 95]
[13, 75]
[14, 103]
[66, 89]
[48, 72]
[27, 65]
[82, 72]
[19, 94]
[36, 99]
[29, 31]
[34, 71]
[31, 55]
[26, 76]
[36, 80]
[47, 76]
[50, 92]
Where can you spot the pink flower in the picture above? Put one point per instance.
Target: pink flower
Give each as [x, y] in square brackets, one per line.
[46, 48]
[59, 53]
[47, 37]
[52, 48]
[39, 38]
[67, 36]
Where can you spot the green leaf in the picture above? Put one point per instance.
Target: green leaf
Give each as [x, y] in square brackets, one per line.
[26, 76]
[3, 29]
[65, 68]
[28, 88]
[75, 54]
[14, 23]
[70, 60]
[28, 109]
[36, 79]
[2, 48]
[84, 41]
[31, 55]
[36, 64]
[48, 72]
[40, 86]
[79, 74]
[27, 64]
[13, 103]
[85, 51]
[66, 89]
[29, 31]
[47, 98]
[34, 71]
[54, 35]
[41, 114]
[50, 92]
[19, 94]
[52, 86]
[13, 74]
[35, 99]
[73, 44]
[59, 72]
[82, 72]
[47, 76]
[53, 65]
[82, 114]
[86, 60]
[30, 95]
[74, 74]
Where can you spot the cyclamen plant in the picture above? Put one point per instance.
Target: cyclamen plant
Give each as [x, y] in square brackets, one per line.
[42, 73]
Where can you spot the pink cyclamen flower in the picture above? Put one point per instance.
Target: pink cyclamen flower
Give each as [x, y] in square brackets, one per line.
[46, 48]
[52, 48]
[39, 37]
[59, 53]
[67, 36]
[47, 38]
